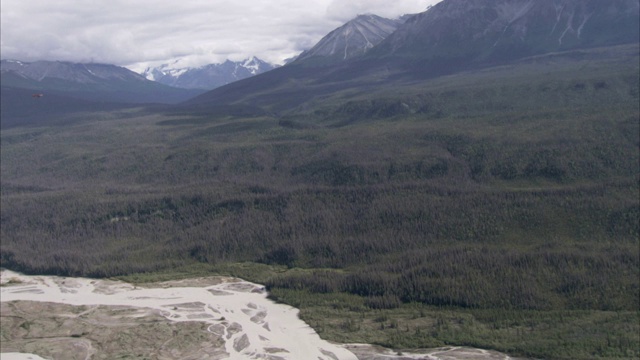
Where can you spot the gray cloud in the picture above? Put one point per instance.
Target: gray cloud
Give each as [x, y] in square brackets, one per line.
[135, 33]
[345, 10]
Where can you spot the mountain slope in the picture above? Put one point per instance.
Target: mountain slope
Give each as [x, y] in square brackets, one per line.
[209, 76]
[352, 39]
[503, 30]
[21, 107]
[94, 82]
[452, 36]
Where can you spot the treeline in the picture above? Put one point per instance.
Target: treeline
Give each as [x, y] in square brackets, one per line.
[543, 249]
[542, 278]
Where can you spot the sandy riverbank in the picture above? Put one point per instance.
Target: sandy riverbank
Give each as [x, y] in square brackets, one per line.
[204, 318]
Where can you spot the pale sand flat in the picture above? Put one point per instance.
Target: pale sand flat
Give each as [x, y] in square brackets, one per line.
[237, 313]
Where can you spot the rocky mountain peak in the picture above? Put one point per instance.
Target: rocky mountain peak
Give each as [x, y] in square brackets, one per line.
[209, 76]
[351, 39]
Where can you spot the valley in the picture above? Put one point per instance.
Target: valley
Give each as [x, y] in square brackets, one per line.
[517, 217]
[435, 192]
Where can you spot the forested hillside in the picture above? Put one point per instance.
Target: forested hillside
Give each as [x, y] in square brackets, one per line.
[496, 208]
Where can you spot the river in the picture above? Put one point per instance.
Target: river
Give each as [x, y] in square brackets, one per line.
[203, 318]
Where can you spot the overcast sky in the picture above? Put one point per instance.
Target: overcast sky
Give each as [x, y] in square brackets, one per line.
[136, 33]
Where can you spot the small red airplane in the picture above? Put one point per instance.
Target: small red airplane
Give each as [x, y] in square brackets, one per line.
[37, 95]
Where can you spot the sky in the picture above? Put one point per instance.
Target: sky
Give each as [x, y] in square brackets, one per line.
[188, 33]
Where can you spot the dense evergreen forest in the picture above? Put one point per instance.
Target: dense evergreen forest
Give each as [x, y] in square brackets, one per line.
[507, 197]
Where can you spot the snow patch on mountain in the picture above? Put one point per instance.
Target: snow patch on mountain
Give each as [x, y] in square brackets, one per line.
[208, 76]
[252, 64]
[353, 38]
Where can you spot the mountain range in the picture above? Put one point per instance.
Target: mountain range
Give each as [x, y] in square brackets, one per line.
[209, 76]
[93, 82]
[352, 39]
[450, 37]
[365, 53]
[102, 86]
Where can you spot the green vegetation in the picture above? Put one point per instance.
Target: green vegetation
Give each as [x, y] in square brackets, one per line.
[497, 208]
[554, 334]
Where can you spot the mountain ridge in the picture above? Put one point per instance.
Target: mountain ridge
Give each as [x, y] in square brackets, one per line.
[209, 76]
[78, 72]
[450, 37]
[88, 81]
[499, 30]
[352, 39]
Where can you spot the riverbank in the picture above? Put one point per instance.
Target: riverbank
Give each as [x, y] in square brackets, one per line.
[212, 317]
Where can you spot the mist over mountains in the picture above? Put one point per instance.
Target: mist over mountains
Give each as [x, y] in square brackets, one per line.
[350, 40]
[452, 36]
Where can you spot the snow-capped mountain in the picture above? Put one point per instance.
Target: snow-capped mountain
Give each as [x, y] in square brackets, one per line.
[451, 36]
[352, 39]
[209, 76]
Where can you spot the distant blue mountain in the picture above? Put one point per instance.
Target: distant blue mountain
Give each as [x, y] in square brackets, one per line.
[95, 82]
[209, 76]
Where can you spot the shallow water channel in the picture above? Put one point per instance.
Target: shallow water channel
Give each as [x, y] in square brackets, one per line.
[204, 318]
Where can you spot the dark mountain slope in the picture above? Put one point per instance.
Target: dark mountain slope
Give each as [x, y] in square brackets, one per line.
[459, 35]
[93, 82]
[276, 91]
[497, 31]
[19, 107]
